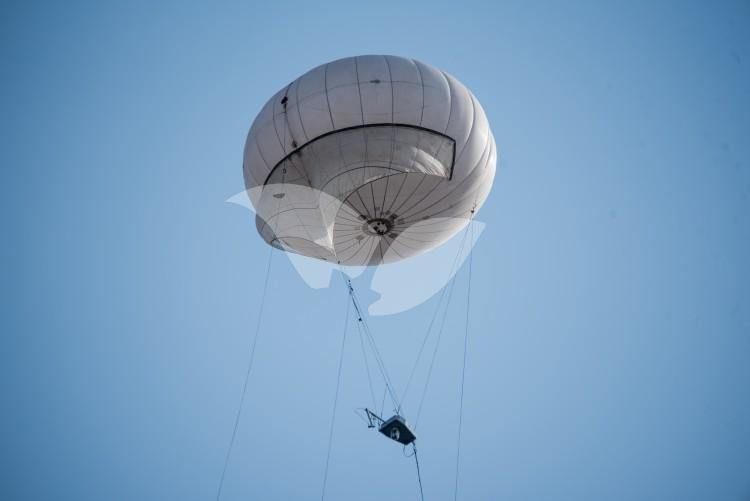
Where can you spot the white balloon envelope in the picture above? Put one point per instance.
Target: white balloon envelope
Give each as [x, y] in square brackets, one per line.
[368, 160]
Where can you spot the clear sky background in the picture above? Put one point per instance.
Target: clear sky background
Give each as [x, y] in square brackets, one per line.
[609, 355]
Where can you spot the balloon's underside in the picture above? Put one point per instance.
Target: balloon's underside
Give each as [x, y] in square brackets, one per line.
[353, 196]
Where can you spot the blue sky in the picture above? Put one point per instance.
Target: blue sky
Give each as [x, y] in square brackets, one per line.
[609, 355]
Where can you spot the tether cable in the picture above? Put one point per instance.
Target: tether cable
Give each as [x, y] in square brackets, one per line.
[451, 273]
[335, 400]
[247, 375]
[434, 353]
[450, 287]
[419, 475]
[252, 350]
[367, 367]
[463, 370]
[373, 346]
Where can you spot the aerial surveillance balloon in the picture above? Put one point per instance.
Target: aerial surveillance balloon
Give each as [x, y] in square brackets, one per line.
[368, 160]
[364, 161]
